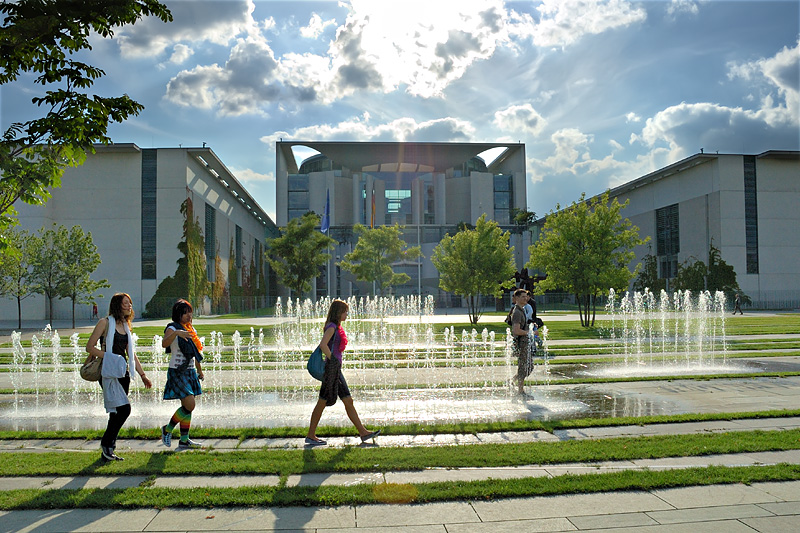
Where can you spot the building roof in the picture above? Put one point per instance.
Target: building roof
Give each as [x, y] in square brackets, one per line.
[438, 156]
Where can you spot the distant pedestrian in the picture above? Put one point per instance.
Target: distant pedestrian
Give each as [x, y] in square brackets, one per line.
[116, 375]
[94, 311]
[333, 344]
[521, 346]
[183, 379]
[737, 304]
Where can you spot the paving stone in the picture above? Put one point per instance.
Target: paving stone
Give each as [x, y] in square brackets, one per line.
[784, 490]
[782, 508]
[612, 520]
[706, 514]
[714, 495]
[47, 521]
[418, 514]
[432, 528]
[18, 483]
[513, 526]
[464, 474]
[96, 482]
[321, 480]
[722, 526]
[215, 481]
[569, 505]
[256, 519]
[774, 524]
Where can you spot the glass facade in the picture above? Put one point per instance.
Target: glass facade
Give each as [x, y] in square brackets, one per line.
[298, 202]
[503, 198]
[211, 241]
[668, 241]
[751, 214]
[149, 215]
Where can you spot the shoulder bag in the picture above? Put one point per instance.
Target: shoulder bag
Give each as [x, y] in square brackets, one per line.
[316, 362]
[92, 370]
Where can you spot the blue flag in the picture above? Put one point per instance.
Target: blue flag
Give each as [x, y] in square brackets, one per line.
[326, 216]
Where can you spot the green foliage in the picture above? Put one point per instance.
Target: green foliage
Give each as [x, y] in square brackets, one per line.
[522, 219]
[190, 280]
[695, 276]
[80, 260]
[585, 249]
[648, 276]
[61, 263]
[15, 269]
[377, 249]
[474, 262]
[42, 37]
[298, 253]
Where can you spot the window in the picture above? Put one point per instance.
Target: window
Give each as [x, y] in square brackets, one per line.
[211, 241]
[751, 214]
[298, 203]
[503, 198]
[149, 216]
[668, 241]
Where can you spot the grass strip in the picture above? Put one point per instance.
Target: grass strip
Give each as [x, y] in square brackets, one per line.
[387, 459]
[460, 428]
[631, 480]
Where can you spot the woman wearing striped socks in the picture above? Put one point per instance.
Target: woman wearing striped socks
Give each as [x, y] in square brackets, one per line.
[183, 380]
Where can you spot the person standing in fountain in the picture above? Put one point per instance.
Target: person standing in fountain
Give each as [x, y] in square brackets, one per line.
[183, 380]
[334, 341]
[519, 332]
[115, 389]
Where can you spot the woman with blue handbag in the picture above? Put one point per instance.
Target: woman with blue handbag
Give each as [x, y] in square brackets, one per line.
[334, 341]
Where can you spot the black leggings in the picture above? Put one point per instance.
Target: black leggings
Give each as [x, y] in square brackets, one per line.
[115, 421]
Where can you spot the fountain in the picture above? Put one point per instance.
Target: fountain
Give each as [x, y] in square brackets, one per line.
[397, 367]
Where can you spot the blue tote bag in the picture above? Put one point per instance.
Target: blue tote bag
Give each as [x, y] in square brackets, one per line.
[316, 363]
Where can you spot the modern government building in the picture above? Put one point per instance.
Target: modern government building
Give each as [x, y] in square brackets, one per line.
[129, 197]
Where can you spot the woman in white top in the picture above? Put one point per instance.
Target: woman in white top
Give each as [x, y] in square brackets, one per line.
[115, 390]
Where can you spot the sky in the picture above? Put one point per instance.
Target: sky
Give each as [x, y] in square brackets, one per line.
[600, 92]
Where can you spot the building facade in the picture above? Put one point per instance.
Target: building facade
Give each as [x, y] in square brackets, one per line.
[428, 188]
[130, 199]
[747, 205]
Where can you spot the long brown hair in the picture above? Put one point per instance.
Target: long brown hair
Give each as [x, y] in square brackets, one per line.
[335, 311]
[115, 307]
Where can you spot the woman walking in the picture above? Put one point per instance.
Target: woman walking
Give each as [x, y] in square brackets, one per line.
[334, 341]
[116, 375]
[183, 380]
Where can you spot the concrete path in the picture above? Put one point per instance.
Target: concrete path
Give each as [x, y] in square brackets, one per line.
[762, 507]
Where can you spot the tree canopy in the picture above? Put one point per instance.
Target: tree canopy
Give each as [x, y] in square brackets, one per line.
[42, 36]
[585, 249]
[15, 270]
[299, 252]
[694, 275]
[377, 249]
[475, 262]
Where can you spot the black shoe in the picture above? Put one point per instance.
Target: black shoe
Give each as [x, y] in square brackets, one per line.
[108, 454]
[370, 435]
[315, 442]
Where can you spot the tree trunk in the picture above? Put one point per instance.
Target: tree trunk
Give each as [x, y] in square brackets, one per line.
[19, 313]
[73, 313]
[580, 306]
[50, 307]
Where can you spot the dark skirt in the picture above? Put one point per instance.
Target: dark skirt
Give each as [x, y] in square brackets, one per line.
[181, 384]
[333, 383]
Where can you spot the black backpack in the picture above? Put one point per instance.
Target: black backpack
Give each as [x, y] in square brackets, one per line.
[508, 317]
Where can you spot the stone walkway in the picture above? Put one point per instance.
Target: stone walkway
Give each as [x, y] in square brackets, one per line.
[763, 507]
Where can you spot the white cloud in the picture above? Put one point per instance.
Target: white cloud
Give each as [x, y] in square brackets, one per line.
[632, 117]
[180, 53]
[679, 7]
[216, 22]
[520, 118]
[316, 26]
[246, 175]
[402, 129]
[564, 22]
[781, 72]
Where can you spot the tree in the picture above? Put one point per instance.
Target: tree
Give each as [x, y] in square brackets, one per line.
[648, 275]
[81, 259]
[190, 280]
[41, 36]
[695, 276]
[375, 252]
[475, 262]
[585, 249]
[15, 270]
[298, 253]
[522, 219]
[47, 260]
